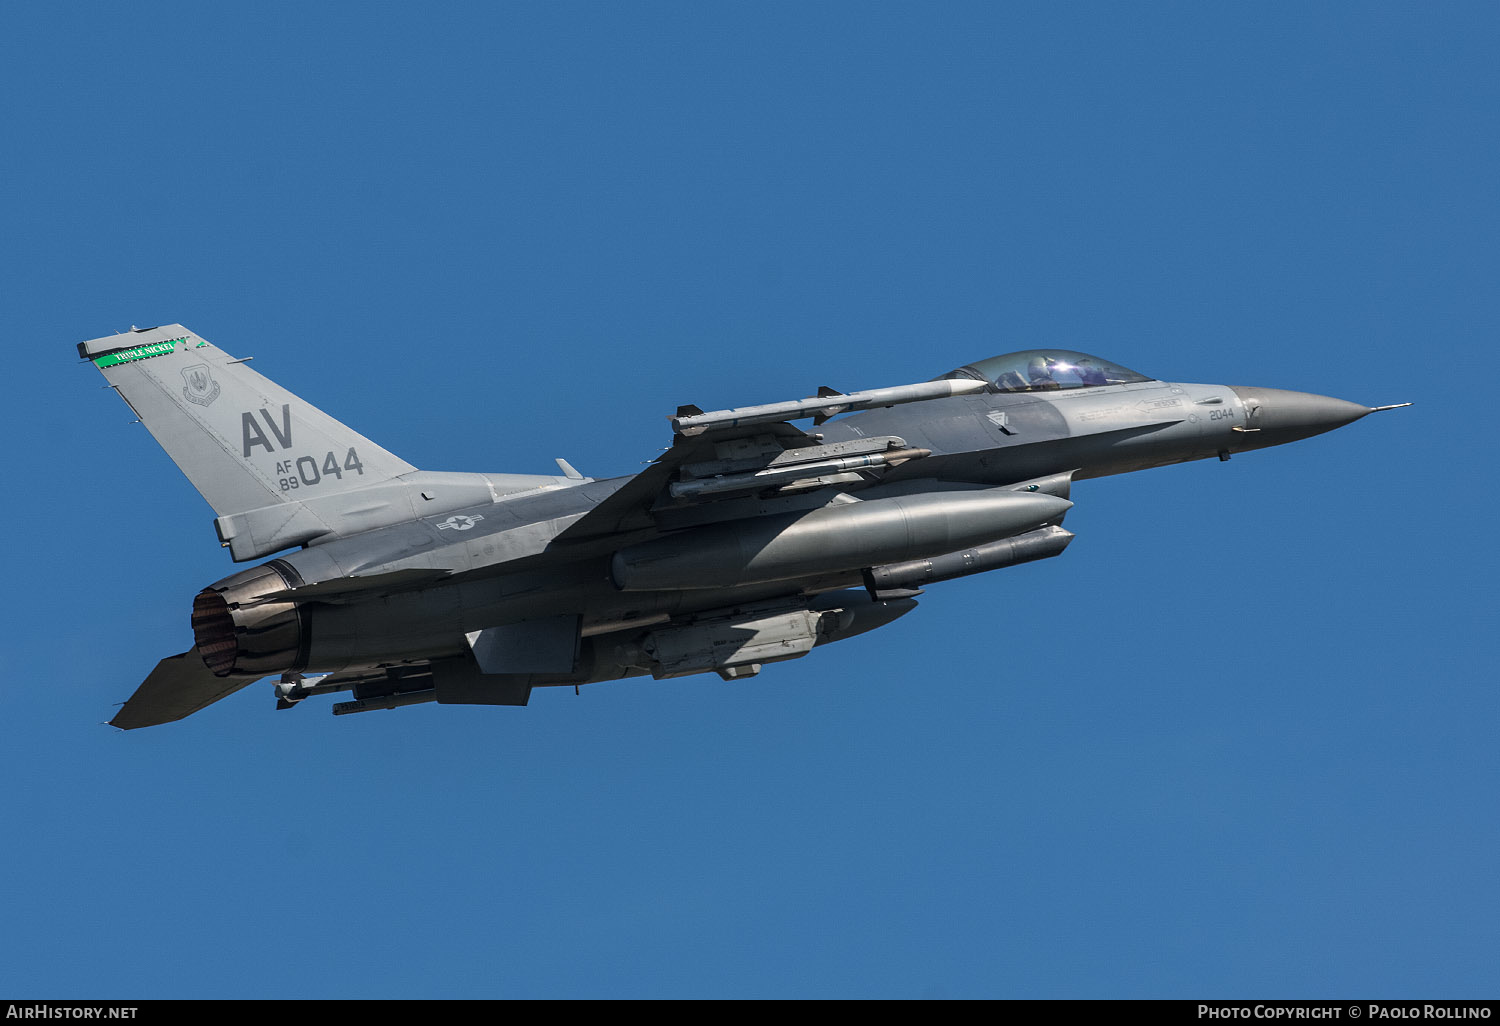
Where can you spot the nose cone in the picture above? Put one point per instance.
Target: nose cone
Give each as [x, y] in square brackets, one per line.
[1274, 416]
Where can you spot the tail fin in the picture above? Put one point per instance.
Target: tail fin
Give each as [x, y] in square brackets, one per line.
[242, 440]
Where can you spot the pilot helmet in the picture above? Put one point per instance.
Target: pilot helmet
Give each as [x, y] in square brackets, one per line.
[1038, 371]
[1090, 373]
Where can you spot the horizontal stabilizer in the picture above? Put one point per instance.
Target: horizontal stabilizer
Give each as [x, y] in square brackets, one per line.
[179, 686]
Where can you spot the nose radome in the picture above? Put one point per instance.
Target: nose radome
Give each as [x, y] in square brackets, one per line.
[1284, 416]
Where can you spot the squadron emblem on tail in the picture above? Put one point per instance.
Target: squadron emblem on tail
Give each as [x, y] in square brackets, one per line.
[201, 387]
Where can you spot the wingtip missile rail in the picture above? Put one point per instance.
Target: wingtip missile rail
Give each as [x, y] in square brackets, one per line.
[822, 406]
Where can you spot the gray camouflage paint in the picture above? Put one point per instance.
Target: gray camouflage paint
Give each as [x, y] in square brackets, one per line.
[415, 586]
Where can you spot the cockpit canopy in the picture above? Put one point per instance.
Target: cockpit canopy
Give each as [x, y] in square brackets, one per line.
[1046, 370]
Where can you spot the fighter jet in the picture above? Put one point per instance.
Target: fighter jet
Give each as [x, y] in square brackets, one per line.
[750, 541]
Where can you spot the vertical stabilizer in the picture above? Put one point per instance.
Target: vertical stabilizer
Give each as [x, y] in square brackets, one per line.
[242, 440]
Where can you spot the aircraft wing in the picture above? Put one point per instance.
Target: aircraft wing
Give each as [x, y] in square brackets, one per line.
[755, 451]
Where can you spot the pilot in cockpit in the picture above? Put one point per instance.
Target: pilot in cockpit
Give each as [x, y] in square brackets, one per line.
[1090, 373]
[1040, 372]
[1047, 370]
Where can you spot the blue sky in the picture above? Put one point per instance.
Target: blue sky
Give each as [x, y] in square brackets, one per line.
[1238, 741]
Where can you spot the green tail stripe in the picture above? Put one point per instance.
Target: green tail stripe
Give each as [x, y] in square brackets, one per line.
[138, 353]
